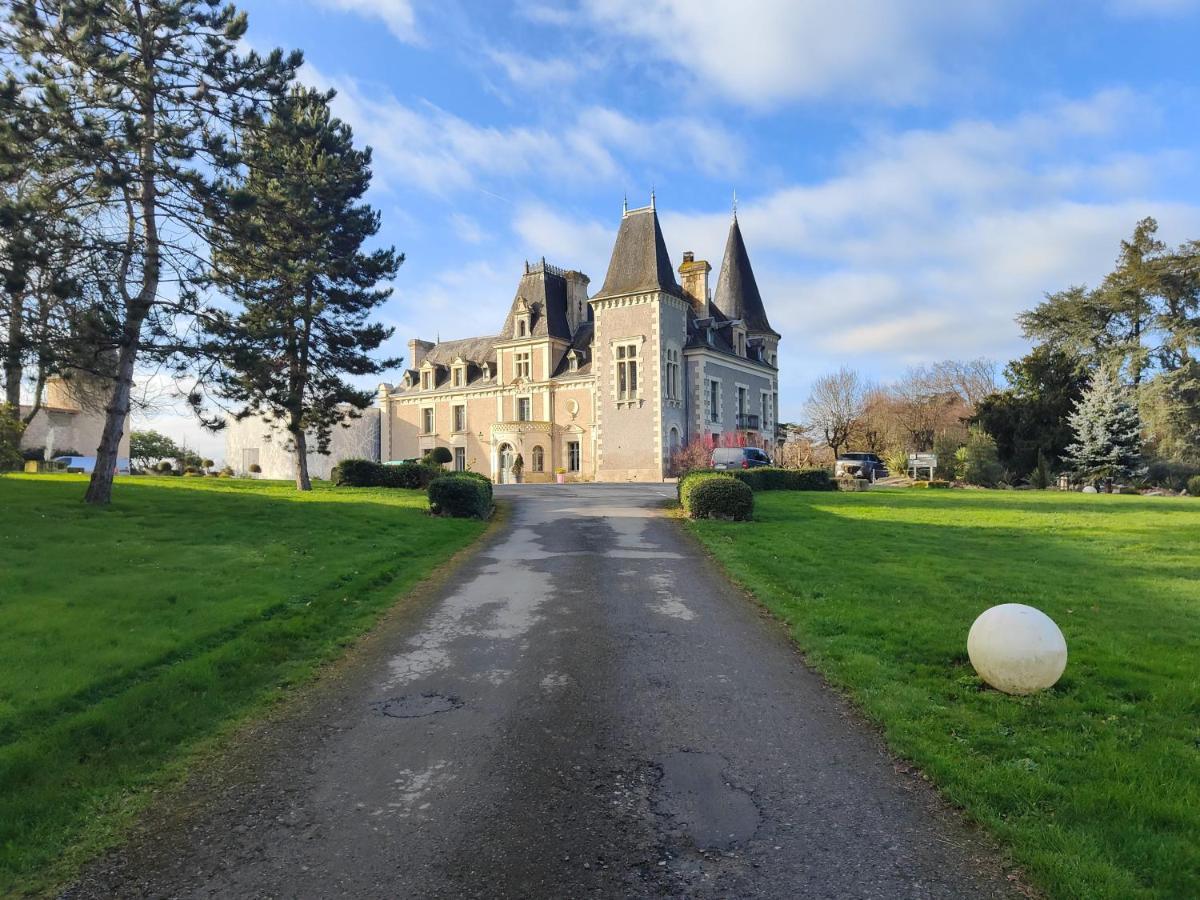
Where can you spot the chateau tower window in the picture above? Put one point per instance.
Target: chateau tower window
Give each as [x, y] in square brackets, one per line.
[538, 459]
[522, 365]
[427, 420]
[671, 374]
[572, 456]
[627, 371]
[524, 405]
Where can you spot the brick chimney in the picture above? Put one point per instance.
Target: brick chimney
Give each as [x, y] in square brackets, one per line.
[417, 349]
[694, 280]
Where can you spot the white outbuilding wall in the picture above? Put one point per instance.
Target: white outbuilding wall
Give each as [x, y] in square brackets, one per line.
[255, 441]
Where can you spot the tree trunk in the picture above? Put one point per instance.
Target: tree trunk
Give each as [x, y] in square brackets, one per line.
[300, 440]
[99, 490]
[13, 353]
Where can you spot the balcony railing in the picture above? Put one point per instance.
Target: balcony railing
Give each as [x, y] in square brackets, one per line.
[747, 421]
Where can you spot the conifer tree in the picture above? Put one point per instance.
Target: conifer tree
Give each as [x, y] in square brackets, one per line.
[293, 258]
[132, 107]
[1107, 429]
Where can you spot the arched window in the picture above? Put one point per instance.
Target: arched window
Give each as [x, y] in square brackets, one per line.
[539, 459]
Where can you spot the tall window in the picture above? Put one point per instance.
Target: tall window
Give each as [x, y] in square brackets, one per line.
[460, 418]
[524, 405]
[460, 459]
[426, 380]
[741, 401]
[714, 401]
[671, 373]
[627, 372]
[427, 420]
[572, 456]
[458, 376]
[538, 459]
[522, 360]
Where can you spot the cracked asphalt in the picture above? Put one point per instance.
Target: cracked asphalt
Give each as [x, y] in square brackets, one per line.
[585, 708]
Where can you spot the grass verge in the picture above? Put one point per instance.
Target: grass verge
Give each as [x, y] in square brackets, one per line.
[1095, 784]
[132, 634]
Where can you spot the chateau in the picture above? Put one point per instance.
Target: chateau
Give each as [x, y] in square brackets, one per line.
[604, 387]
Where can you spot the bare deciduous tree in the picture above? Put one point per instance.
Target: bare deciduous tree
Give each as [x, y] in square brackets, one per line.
[835, 406]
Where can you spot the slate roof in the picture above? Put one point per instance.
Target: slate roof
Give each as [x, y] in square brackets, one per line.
[546, 293]
[640, 262]
[737, 295]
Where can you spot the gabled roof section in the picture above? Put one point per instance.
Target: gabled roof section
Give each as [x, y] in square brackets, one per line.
[640, 262]
[543, 287]
[737, 295]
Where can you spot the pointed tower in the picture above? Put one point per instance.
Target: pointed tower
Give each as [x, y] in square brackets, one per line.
[737, 295]
[640, 316]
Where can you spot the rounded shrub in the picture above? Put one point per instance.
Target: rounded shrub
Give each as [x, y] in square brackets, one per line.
[439, 456]
[476, 476]
[719, 498]
[255, 469]
[460, 498]
[1193, 486]
[164, 466]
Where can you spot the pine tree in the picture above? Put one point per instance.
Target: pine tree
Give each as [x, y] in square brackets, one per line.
[1107, 429]
[132, 106]
[292, 258]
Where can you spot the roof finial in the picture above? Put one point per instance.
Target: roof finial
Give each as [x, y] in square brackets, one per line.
[652, 196]
[735, 204]
[625, 205]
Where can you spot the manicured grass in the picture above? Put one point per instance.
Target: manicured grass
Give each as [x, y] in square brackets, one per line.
[130, 635]
[1095, 785]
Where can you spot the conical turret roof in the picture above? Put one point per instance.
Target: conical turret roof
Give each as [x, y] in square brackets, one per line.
[737, 295]
[640, 262]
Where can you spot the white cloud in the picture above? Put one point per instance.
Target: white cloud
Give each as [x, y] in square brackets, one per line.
[925, 244]
[762, 51]
[529, 72]
[398, 15]
[467, 228]
[437, 151]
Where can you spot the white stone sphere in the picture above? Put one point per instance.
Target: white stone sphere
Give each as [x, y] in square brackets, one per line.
[1017, 649]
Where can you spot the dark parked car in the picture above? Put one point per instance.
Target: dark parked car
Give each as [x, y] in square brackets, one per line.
[739, 458]
[860, 465]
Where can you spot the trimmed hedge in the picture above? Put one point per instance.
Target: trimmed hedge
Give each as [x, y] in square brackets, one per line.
[936, 483]
[1193, 486]
[719, 497]
[368, 473]
[686, 482]
[459, 497]
[769, 478]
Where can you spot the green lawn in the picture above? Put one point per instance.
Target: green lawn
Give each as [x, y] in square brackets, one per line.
[1095, 785]
[132, 634]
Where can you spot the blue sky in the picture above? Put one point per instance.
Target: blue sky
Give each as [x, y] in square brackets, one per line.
[909, 175]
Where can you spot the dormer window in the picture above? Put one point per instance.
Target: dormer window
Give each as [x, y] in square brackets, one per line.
[426, 380]
[521, 319]
[486, 369]
[458, 376]
[572, 361]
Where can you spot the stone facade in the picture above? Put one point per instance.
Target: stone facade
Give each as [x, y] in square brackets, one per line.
[603, 387]
[255, 441]
[65, 424]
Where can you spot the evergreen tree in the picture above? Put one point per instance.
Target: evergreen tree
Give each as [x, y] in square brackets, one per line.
[292, 257]
[1107, 429]
[129, 106]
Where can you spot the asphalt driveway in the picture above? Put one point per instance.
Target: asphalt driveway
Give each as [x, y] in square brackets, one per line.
[585, 709]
